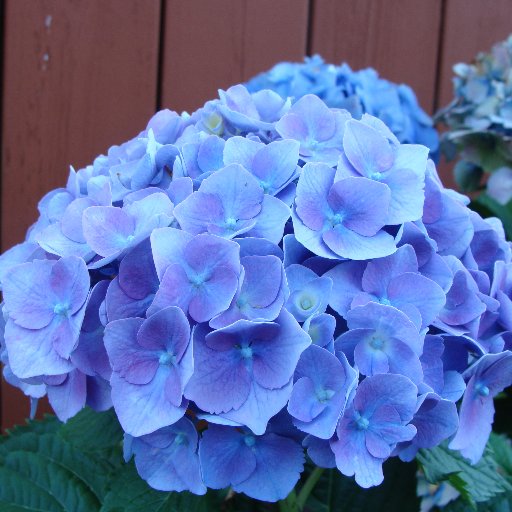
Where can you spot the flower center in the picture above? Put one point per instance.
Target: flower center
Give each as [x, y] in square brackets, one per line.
[246, 352]
[362, 423]
[306, 303]
[482, 390]
[265, 186]
[214, 123]
[231, 223]
[376, 343]
[249, 441]
[167, 359]
[324, 395]
[337, 219]
[197, 280]
[61, 309]
[241, 302]
[130, 239]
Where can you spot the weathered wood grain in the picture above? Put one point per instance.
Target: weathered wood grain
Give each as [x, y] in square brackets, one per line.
[211, 45]
[398, 38]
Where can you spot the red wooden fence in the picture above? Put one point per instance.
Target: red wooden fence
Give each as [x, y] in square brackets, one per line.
[81, 75]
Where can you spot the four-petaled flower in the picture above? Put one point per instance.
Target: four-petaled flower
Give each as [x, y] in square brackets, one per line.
[151, 364]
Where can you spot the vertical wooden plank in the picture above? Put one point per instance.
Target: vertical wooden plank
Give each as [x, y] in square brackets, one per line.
[399, 39]
[211, 45]
[79, 76]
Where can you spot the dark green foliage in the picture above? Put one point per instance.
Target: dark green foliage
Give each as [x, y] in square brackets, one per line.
[468, 176]
[129, 493]
[485, 482]
[46, 466]
[337, 493]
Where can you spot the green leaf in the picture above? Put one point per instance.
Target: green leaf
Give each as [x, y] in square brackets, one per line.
[93, 431]
[92, 470]
[476, 483]
[502, 451]
[18, 490]
[7, 507]
[129, 493]
[337, 493]
[482, 148]
[468, 176]
[48, 424]
[501, 504]
[66, 487]
[37, 462]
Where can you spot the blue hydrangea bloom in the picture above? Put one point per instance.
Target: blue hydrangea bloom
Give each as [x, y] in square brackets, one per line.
[341, 219]
[435, 419]
[393, 281]
[167, 459]
[65, 237]
[319, 451]
[21, 253]
[486, 378]
[318, 129]
[32, 388]
[151, 364]
[46, 302]
[356, 91]
[309, 294]
[198, 159]
[320, 392]
[369, 153]
[321, 330]
[71, 392]
[167, 279]
[230, 203]
[132, 291]
[265, 467]
[246, 367]
[251, 112]
[382, 339]
[261, 294]
[376, 421]
[90, 355]
[111, 231]
[199, 274]
[274, 165]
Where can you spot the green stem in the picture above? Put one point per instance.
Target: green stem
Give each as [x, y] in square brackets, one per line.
[308, 487]
[294, 503]
[289, 504]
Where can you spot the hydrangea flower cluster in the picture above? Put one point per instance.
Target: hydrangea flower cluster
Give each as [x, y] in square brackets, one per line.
[257, 280]
[358, 92]
[480, 122]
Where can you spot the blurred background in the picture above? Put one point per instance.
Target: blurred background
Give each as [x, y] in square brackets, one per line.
[82, 75]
